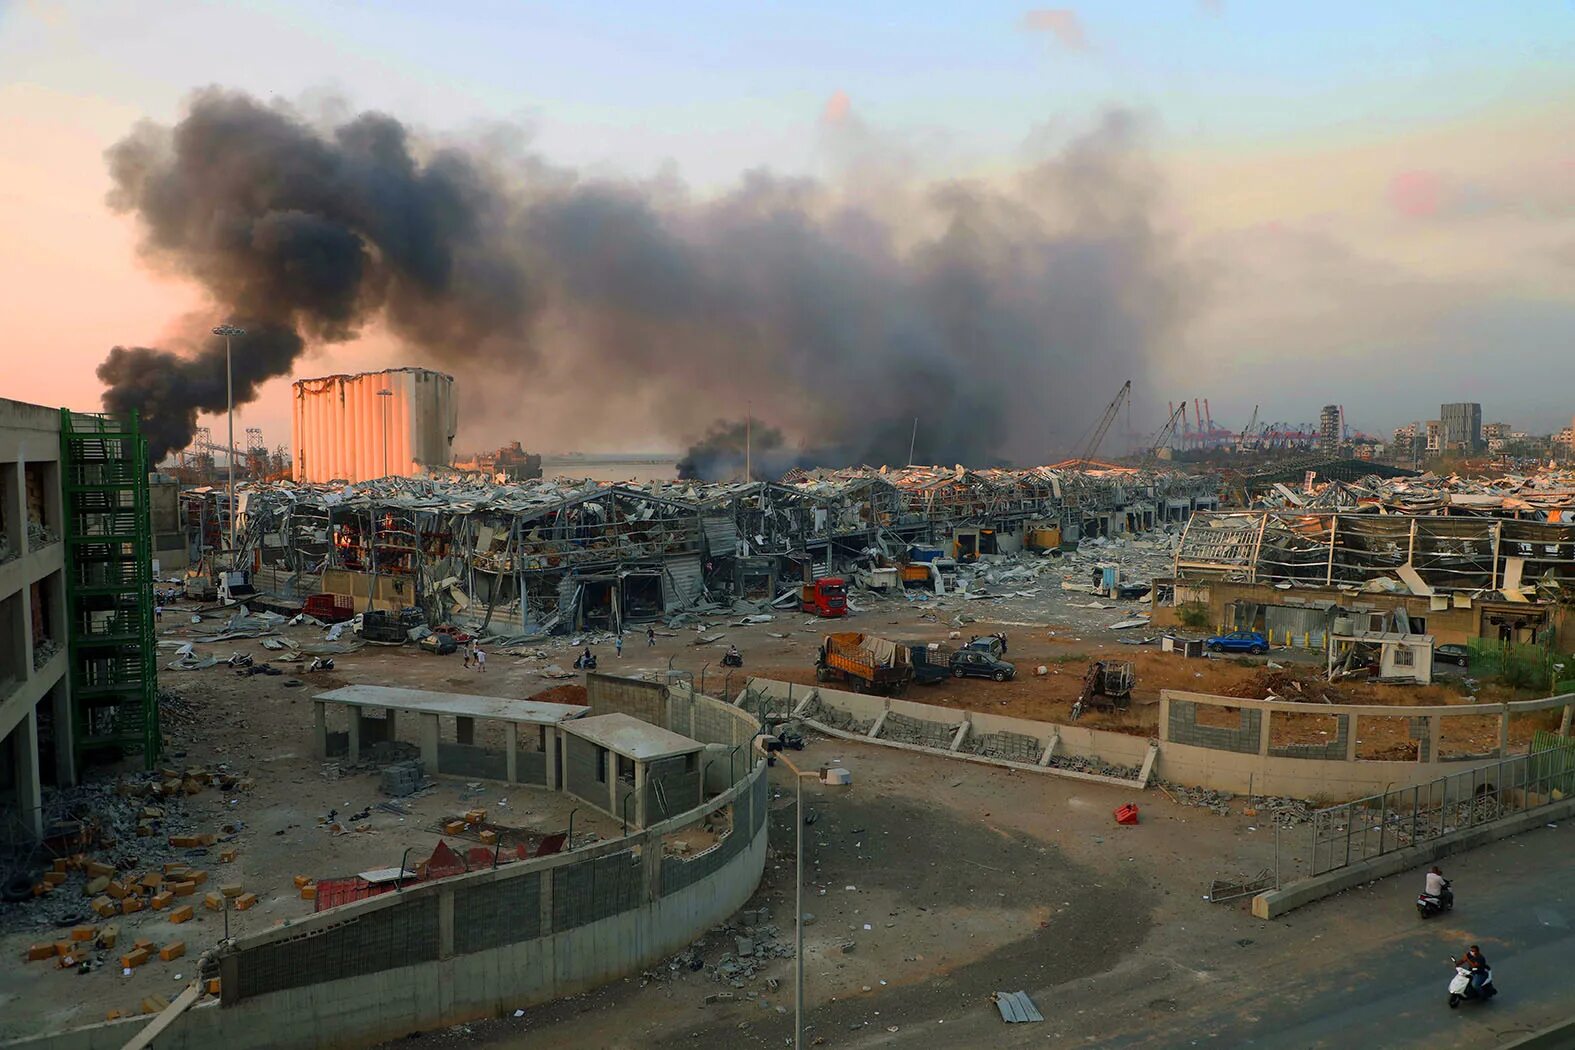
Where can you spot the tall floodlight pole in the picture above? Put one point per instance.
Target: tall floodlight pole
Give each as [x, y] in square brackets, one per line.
[229, 331]
[384, 395]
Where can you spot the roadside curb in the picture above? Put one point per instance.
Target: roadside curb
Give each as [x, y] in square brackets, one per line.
[1560, 1037]
[1275, 903]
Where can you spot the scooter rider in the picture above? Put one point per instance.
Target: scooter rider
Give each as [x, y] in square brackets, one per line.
[1477, 963]
[1437, 887]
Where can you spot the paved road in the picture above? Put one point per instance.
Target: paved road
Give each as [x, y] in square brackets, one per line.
[1283, 986]
[1516, 899]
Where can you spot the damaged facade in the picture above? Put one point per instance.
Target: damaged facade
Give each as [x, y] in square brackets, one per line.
[1297, 574]
[536, 556]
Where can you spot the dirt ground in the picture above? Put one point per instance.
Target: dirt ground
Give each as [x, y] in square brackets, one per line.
[970, 879]
[982, 874]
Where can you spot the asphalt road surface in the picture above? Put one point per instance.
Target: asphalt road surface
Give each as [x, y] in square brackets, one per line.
[1355, 971]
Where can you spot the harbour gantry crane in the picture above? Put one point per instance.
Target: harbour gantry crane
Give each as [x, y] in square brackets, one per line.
[1111, 411]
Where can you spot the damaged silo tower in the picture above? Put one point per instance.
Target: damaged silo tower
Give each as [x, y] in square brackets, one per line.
[398, 422]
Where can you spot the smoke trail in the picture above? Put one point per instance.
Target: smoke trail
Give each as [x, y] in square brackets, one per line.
[995, 313]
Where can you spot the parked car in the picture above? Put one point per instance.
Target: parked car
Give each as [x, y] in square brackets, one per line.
[993, 644]
[1450, 654]
[971, 663]
[1237, 642]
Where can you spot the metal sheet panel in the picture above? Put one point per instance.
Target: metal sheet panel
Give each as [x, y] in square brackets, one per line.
[682, 581]
[1017, 1008]
[721, 535]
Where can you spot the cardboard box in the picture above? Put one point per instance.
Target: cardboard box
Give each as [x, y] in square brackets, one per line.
[244, 901]
[181, 914]
[173, 950]
[134, 958]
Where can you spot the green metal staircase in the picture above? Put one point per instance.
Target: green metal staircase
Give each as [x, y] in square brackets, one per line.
[109, 587]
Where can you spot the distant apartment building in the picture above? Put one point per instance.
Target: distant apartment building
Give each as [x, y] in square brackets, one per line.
[1495, 431]
[1331, 428]
[1462, 425]
[1407, 443]
[1433, 439]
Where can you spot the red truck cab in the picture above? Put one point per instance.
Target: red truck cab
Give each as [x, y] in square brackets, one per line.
[826, 597]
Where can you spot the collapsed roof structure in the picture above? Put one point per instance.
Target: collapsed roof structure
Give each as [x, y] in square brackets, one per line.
[1547, 495]
[535, 555]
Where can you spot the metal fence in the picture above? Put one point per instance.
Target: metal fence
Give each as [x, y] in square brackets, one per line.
[1378, 824]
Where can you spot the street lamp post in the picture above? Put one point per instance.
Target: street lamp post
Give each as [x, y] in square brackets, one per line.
[798, 890]
[229, 331]
[383, 395]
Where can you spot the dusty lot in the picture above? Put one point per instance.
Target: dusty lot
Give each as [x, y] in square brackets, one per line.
[971, 880]
[986, 877]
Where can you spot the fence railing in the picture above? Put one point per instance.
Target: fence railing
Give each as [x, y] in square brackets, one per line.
[1378, 824]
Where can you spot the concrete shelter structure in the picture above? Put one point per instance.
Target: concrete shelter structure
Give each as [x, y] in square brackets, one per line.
[531, 728]
[614, 758]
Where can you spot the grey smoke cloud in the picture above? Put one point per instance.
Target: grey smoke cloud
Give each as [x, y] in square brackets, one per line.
[997, 313]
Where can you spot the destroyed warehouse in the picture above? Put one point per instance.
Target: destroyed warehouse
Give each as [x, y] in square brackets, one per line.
[1460, 560]
[538, 555]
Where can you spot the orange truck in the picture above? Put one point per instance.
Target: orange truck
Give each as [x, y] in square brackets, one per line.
[867, 663]
[827, 597]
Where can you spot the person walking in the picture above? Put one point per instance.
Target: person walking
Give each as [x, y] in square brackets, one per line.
[650, 637]
[481, 659]
[618, 644]
[470, 648]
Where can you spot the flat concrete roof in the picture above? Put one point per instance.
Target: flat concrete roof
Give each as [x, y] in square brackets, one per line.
[425, 701]
[629, 736]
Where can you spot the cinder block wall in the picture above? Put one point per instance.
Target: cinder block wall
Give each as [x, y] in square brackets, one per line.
[644, 700]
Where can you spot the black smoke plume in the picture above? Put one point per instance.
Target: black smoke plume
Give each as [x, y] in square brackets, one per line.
[1000, 315]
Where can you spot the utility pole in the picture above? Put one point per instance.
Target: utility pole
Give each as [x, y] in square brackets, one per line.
[749, 419]
[913, 441]
[228, 331]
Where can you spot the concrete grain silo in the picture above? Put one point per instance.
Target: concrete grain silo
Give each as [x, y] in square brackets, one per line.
[346, 428]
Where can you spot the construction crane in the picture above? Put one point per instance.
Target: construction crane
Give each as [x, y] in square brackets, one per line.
[1111, 411]
[1163, 436]
[1246, 431]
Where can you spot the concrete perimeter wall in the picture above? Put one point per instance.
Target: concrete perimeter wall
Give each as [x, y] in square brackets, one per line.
[1236, 758]
[892, 723]
[1242, 758]
[488, 942]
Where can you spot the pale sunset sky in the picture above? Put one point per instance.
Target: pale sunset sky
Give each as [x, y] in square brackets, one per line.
[1377, 199]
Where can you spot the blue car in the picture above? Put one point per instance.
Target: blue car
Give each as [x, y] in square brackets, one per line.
[1238, 642]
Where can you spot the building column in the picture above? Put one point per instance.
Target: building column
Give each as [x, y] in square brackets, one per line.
[1350, 738]
[511, 743]
[24, 750]
[640, 773]
[1503, 733]
[429, 743]
[465, 729]
[1265, 716]
[552, 759]
[388, 713]
[65, 732]
[612, 785]
[355, 733]
[321, 719]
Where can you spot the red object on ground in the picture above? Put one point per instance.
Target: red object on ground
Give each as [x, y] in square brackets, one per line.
[1127, 814]
[329, 608]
